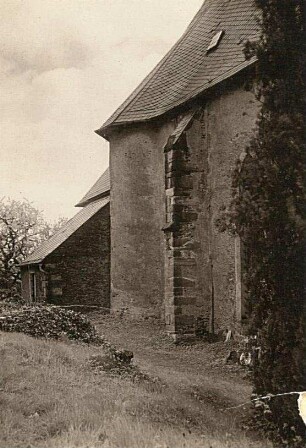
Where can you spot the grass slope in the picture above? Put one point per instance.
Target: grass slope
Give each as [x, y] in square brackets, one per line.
[50, 397]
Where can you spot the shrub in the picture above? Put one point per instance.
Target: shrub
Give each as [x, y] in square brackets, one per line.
[268, 214]
[49, 322]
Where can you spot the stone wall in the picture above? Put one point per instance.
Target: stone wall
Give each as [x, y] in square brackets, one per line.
[138, 215]
[188, 273]
[203, 273]
[167, 253]
[230, 123]
[78, 271]
[25, 283]
[40, 283]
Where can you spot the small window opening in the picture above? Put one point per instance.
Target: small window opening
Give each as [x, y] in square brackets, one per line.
[215, 40]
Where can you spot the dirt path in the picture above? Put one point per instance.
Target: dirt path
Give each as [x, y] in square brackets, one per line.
[195, 376]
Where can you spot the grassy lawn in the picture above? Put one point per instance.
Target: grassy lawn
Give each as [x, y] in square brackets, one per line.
[50, 396]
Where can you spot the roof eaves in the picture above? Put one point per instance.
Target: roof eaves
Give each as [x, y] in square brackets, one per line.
[108, 125]
[99, 189]
[68, 229]
[28, 263]
[101, 131]
[96, 198]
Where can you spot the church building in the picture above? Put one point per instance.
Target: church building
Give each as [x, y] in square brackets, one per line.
[174, 144]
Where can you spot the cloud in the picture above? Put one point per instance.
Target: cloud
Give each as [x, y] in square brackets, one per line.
[65, 66]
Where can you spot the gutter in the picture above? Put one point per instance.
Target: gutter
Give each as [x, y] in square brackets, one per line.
[27, 263]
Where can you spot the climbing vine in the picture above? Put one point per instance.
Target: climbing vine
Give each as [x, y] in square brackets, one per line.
[267, 212]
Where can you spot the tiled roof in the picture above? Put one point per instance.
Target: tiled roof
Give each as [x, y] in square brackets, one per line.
[100, 188]
[47, 247]
[188, 69]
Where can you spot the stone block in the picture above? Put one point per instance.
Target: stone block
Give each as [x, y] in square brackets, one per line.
[185, 301]
[182, 241]
[183, 270]
[184, 182]
[184, 282]
[185, 324]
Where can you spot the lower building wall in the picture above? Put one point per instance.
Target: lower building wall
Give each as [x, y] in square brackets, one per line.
[78, 271]
[36, 292]
[216, 140]
[25, 284]
[231, 124]
[138, 215]
[190, 274]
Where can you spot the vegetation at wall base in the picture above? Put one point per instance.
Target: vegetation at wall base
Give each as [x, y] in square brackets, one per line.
[267, 212]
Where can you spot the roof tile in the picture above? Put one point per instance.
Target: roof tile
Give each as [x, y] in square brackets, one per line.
[100, 188]
[187, 69]
[47, 247]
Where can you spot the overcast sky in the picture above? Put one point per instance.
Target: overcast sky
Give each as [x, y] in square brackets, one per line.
[65, 66]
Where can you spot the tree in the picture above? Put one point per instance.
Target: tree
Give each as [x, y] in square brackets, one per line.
[267, 212]
[22, 229]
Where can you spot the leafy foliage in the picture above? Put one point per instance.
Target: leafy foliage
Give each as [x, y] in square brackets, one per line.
[49, 322]
[267, 212]
[57, 323]
[22, 229]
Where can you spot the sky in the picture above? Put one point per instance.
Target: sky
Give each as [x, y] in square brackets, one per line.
[65, 66]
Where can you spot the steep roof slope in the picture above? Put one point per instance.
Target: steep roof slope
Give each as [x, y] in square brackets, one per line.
[47, 247]
[99, 189]
[188, 69]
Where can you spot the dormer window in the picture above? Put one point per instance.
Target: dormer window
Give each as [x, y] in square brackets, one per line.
[215, 41]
